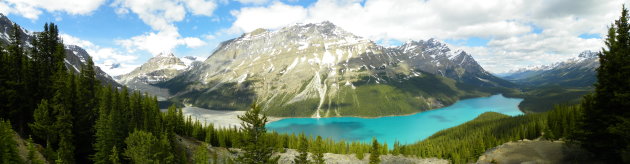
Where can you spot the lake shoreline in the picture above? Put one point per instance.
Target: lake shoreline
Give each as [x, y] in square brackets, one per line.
[394, 115]
[408, 128]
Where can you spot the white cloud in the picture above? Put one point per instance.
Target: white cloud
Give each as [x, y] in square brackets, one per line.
[275, 16]
[252, 1]
[114, 69]
[31, 9]
[161, 15]
[160, 42]
[508, 24]
[104, 57]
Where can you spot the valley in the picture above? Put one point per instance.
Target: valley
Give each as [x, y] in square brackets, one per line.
[171, 82]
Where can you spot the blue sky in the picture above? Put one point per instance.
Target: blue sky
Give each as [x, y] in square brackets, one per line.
[502, 35]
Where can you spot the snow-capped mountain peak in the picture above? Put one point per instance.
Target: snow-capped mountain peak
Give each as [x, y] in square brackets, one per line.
[159, 68]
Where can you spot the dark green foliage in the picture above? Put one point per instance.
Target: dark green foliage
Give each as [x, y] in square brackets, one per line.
[144, 147]
[562, 122]
[141, 147]
[8, 150]
[257, 148]
[542, 99]
[302, 157]
[121, 111]
[201, 156]
[72, 115]
[375, 152]
[318, 151]
[464, 143]
[605, 129]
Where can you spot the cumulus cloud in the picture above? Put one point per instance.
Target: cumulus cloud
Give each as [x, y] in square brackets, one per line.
[520, 32]
[31, 9]
[161, 15]
[112, 61]
[160, 42]
[253, 1]
[274, 16]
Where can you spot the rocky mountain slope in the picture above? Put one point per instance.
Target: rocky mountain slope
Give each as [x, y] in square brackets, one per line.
[575, 72]
[75, 55]
[160, 68]
[321, 70]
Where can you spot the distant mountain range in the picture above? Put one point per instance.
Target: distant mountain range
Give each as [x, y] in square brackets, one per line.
[160, 68]
[320, 70]
[75, 55]
[575, 72]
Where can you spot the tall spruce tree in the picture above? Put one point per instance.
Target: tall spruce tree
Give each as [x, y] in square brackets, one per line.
[318, 151]
[375, 153]
[43, 125]
[85, 112]
[605, 129]
[302, 157]
[256, 149]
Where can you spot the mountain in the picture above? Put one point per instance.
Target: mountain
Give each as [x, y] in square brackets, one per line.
[321, 70]
[75, 55]
[558, 83]
[160, 68]
[575, 72]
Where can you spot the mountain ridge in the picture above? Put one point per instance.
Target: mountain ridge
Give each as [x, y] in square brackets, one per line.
[321, 70]
[579, 71]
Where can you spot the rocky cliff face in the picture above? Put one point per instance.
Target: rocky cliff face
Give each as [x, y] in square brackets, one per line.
[322, 70]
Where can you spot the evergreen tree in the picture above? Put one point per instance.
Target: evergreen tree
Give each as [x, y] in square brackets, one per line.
[114, 158]
[20, 111]
[318, 151]
[201, 155]
[8, 150]
[256, 150]
[375, 153]
[30, 158]
[302, 157]
[605, 128]
[43, 125]
[141, 147]
[85, 112]
[64, 128]
[104, 136]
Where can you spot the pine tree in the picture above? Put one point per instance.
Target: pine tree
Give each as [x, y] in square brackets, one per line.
[606, 124]
[64, 128]
[85, 112]
[318, 151]
[114, 158]
[141, 147]
[9, 152]
[201, 155]
[375, 153]
[302, 157]
[104, 141]
[43, 125]
[30, 158]
[256, 150]
[20, 111]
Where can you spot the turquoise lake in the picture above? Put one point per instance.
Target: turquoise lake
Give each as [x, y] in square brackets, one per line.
[405, 129]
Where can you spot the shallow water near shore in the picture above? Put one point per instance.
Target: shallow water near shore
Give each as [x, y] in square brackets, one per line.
[405, 129]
